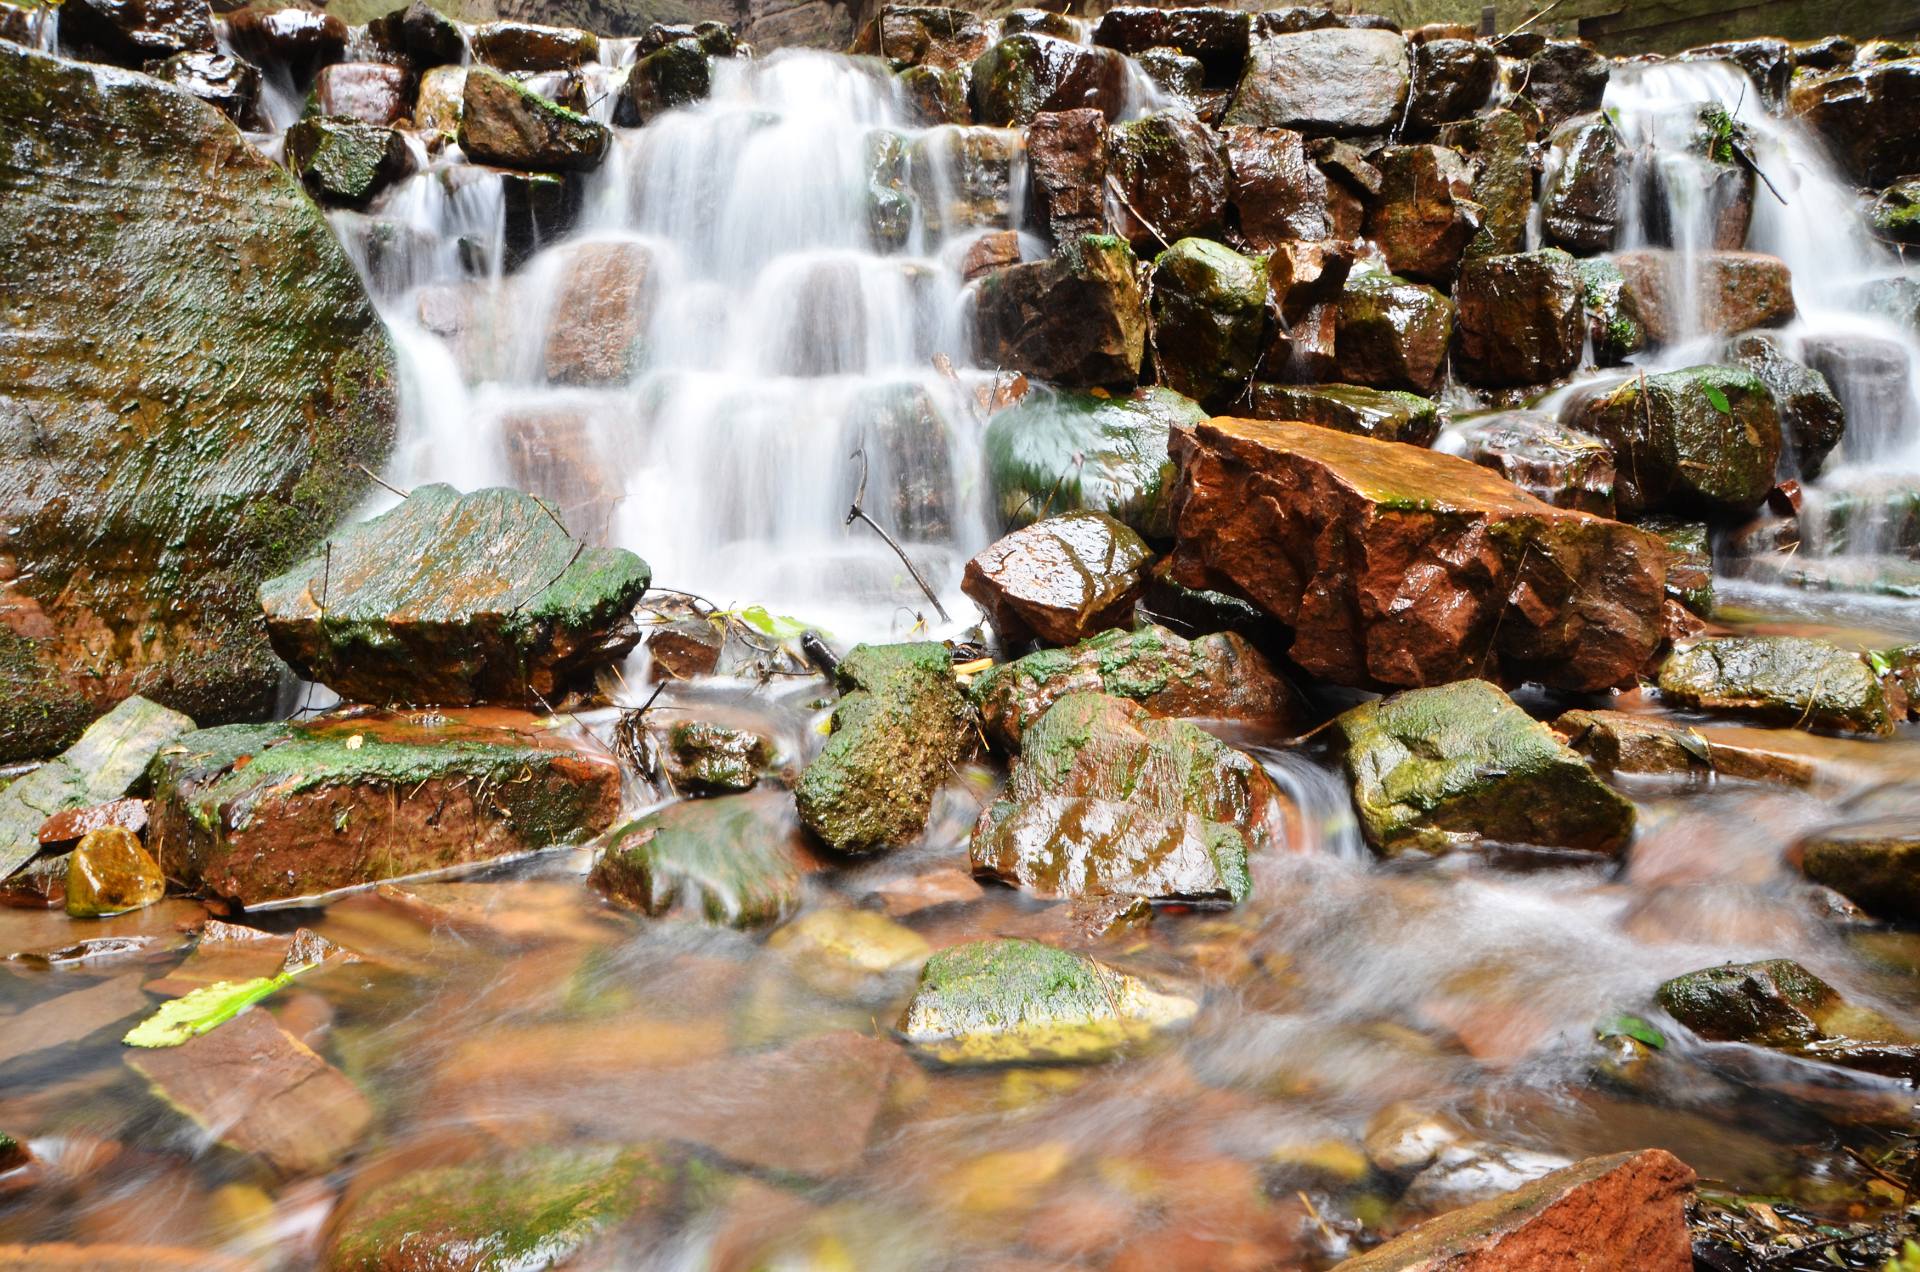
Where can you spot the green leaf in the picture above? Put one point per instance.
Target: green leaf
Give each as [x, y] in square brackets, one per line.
[1881, 664]
[205, 1008]
[1719, 399]
[1635, 1028]
[774, 626]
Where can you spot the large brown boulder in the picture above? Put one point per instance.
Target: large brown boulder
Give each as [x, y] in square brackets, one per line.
[1026, 74]
[1424, 216]
[184, 405]
[1077, 320]
[1868, 115]
[1395, 566]
[1522, 318]
[1062, 579]
[528, 46]
[1338, 82]
[1067, 165]
[371, 92]
[1728, 292]
[501, 122]
[300, 41]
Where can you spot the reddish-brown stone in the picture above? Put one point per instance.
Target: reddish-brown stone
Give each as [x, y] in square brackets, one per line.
[1067, 163]
[601, 314]
[1273, 190]
[371, 92]
[1061, 579]
[1734, 291]
[989, 252]
[1425, 216]
[70, 826]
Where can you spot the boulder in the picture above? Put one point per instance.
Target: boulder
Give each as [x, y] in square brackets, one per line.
[436, 108]
[678, 74]
[1781, 1005]
[1812, 421]
[1873, 376]
[1393, 334]
[1067, 164]
[1077, 320]
[924, 35]
[1217, 38]
[344, 162]
[1875, 864]
[1338, 82]
[1106, 799]
[1565, 78]
[1275, 193]
[896, 736]
[1522, 318]
[111, 872]
[1436, 769]
[1174, 180]
[1424, 216]
[526, 46]
[1500, 144]
[1675, 448]
[1868, 115]
[1614, 328]
[207, 444]
[1452, 79]
[131, 33]
[1386, 414]
[934, 96]
[601, 314]
[503, 123]
[1025, 74]
[1618, 1213]
[1059, 580]
[1791, 680]
[1395, 566]
[995, 250]
[1209, 313]
[225, 83]
[962, 179]
[1558, 465]
[371, 92]
[1216, 677]
[1731, 291]
[716, 38]
[737, 861]
[705, 758]
[1010, 1001]
[269, 812]
[1581, 208]
[299, 41]
[420, 36]
[1895, 214]
[455, 599]
[1689, 560]
[1062, 452]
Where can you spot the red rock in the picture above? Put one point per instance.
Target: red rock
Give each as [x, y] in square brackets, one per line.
[371, 92]
[1396, 566]
[600, 314]
[990, 252]
[67, 828]
[1067, 163]
[552, 453]
[1061, 579]
[1733, 290]
[924, 35]
[1424, 217]
[1274, 191]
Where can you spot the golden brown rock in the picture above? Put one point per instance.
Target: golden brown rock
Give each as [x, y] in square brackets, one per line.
[111, 873]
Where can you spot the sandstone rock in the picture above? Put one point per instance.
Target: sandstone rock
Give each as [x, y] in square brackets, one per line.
[419, 35]
[186, 464]
[1393, 334]
[1581, 211]
[1500, 145]
[1674, 448]
[677, 75]
[737, 861]
[1077, 320]
[1613, 316]
[602, 312]
[1812, 421]
[1565, 78]
[1781, 1005]
[111, 873]
[258, 813]
[1209, 313]
[299, 40]
[1025, 74]
[895, 737]
[344, 162]
[1169, 167]
[1385, 414]
[1522, 318]
[1303, 275]
[1059, 580]
[1452, 79]
[989, 252]
[132, 33]
[1874, 864]
[1689, 560]
[1735, 291]
[1336, 82]
[1011, 1002]
[1869, 116]
[1435, 769]
[1423, 218]
[1274, 191]
[1108, 800]
[1792, 680]
[1218, 38]
[1352, 543]
[1558, 465]
[503, 123]
[454, 599]
[228, 84]
[526, 46]
[1067, 163]
[370, 92]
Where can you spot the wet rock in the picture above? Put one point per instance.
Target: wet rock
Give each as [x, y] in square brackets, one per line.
[1175, 182]
[1676, 450]
[1473, 1172]
[963, 177]
[1218, 676]
[1452, 79]
[526, 46]
[1423, 218]
[1581, 210]
[711, 759]
[1558, 465]
[344, 162]
[1734, 291]
[503, 123]
[1613, 317]
[935, 97]
[1385, 414]
[603, 309]
[1781, 1005]
[420, 36]
[1689, 560]
[1522, 318]
[1054, 453]
[1620, 742]
[1873, 378]
[904, 434]
[1077, 320]
[736, 860]
[1177, 75]
[1209, 312]
[677, 75]
[259, 1090]
[844, 952]
[1564, 79]
[538, 207]
[1337, 82]
[1791, 680]
[1812, 421]
[258, 813]
[1869, 117]
[1405, 1138]
[1274, 191]
[1393, 334]
[111, 873]
[436, 108]
[1218, 38]
[1627, 1211]
[370, 92]
[67, 828]
[1768, 62]
[716, 38]
[1025, 74]
[1304, 275]
[896, 735]
[299, 40]
[1825, 53]
[924, 35]
[105, 763]
[456, 599]
[1014, 1002]
[1895, 213]
[990, 252]
[1067, 163]
[552, 453]
[685, 649]
[1436, 769]
[1059, 580]
[228, 84]
[1874, 864]
[1108, 800]
[1719, 190]
[132, 33]
[1500, 145]
[185, 465]
[1395, 566]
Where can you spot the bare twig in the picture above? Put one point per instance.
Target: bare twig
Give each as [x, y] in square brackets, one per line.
[1529, 22]
[1113, 183]
[384, 482]
[857, 513]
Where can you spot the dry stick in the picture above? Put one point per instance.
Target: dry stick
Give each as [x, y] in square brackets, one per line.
[856, 512]
[384, 482]
[1529, 22]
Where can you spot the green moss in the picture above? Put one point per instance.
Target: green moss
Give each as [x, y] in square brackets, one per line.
[1791, 680]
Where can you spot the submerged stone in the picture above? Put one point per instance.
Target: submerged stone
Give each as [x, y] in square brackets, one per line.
[1060, 580]
[1781, 1005]
[1704, 440]
[1560, 466]
[1874, 864]
[735, 861]
[1683, 294]
[1781, 679]
[111, 872]
[504, 123]
[455, 599]
[711, 759]
[1019, 1002]
[1077, 319]
[1388, 415]
[1434, 769]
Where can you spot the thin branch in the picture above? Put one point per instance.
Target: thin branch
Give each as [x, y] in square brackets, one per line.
[384, 482]
[857, 513]
[1113, 183]
[1529, 22]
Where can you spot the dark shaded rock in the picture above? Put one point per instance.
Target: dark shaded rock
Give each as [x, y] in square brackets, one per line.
[1055, 453]
[148, 482]
[1768, 62]
[677, 75]
[717, 38]
[1452, 79]
[1423, 218]
[1895, 213]
[1304, 348]
[1581, 211]
[132, 33]
[1040, 22]
[1812, 421]
[455, 599]
[1791, 680]
[419, 35]
[371, 92]
[1869, 116]
[703, 758]
[1396, 566]
[1209, 313]
[1274, 192]
[268, 812]
[1436, 769]
[924, 35]
[1169, 167]
[1825, 54]
[345, 162]
[1109, 800]
[225, 83]
[1522, 318]
[935, 96]
[1176, 74]
[1025, 74]
[1293, 18]
[1874, 864]
[1780, 1004]
[1733, 290]
[1218, 676]
[1564, 79]
[1059, 580]
[502, 122]
[1676, 450]
[1558, 465]
[1338, 82]
[1689, 561]
[896, 735]
[1217, 38]
[1393, 334]
[1077, 320]
[602, 310]
[1500, 145]
[1386, 414]
[1019, 1002]
[738, 860]
[1067, 163]
[111, 872]
[1613, 316]
[526, 46]
[299, 40]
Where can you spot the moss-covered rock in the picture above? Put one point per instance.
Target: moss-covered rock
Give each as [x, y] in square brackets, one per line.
[1060, 580]
[1874, 864]
[345, 162]
[1782, 1005]
[1613, 318]
[1020, 1002]
[1433, 769]
[896, 735]
[1026, 73]
[204, 378]
[736, 860]
[1173, 177]
[1387, 415]
[1704, 440]
[502, 122]
[1896, 212]
[110, 873]
[1209, 314]
[704, 758]
[1077, 319]
[1689, 561]
[1791, 680]
[1392, 333]
[678, 74]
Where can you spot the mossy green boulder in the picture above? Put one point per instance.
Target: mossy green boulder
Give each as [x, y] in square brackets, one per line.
[1613, 317]
[503, 122]
[735, 861]
[1434, 769]
[1026, 73]
[1209, 309]
[896, 736]
[1874, 864]
[704, 758]
[345, 162]
[1020, 1002]
[678, 73]
[1704, 440]
[1792, 680]
[1781, 1005]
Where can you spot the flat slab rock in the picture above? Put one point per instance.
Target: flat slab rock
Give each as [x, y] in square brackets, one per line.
[1397, 567]
[455, 599]
[1061, 579]
[271, 812]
